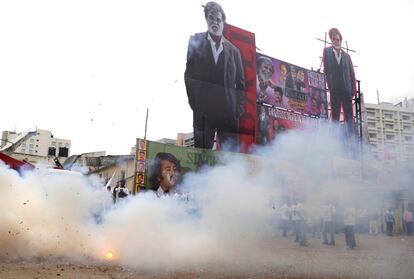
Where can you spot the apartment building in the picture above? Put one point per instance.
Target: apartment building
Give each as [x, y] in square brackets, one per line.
[39, 143]
[391, 130]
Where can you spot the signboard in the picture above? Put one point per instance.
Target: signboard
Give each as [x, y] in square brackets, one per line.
[284, 85]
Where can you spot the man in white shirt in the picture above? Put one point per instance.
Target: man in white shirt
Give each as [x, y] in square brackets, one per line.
[285, 216]
[328, 218]
[349, 224]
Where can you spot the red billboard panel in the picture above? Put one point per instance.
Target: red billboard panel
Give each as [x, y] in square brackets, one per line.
[274, 121]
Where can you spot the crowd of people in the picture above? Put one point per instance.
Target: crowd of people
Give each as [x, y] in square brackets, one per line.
[329, 218]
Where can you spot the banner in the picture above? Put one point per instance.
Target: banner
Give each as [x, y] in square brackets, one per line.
[273, 121]
[154, 158]
[284, 85]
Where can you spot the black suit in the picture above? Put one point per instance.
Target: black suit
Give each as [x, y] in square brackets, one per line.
[215, 91]
[341, 84]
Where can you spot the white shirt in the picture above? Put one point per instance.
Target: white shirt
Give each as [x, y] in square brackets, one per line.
[328, 213]
[337, 56]
[216, 52]
[350, 217]
[285, 212]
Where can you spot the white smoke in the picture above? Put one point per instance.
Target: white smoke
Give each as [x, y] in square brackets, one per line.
[227, 223]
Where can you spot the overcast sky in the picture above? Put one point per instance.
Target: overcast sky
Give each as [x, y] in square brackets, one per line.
[88, 70]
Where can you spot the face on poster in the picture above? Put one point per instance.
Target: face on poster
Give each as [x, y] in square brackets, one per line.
[284, 85]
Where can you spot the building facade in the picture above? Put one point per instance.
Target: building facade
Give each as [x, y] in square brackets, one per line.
[390, 131]
[38, 143]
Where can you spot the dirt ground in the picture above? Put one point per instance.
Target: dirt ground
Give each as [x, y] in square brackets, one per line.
[375, 257]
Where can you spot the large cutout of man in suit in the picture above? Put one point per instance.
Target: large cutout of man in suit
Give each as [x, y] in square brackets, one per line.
[340, 77]
[214, 80]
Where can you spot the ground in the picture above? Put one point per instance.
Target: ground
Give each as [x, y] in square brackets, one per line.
[375, 257]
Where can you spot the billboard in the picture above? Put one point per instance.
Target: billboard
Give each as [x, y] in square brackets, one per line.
[219, 79]
[284, 85]
[273, 121]
[288, 97]
[156, 161]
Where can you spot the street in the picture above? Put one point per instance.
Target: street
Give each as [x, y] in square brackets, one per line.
[375, 257]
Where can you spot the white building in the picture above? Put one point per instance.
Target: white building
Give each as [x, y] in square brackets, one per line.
[391, 130]
[40, 143]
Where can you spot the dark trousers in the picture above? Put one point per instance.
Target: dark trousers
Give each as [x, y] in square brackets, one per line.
[409, 228]
[301, 236]
[338, 98]
[390, 228]
[206, 126]
[329, 228]
[350, 237]
[285, 227]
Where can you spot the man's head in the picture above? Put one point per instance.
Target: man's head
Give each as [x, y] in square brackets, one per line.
[336, 38]
[265, 68]
[284, 69]
[215, 18]
[165, 171]
[278, 95]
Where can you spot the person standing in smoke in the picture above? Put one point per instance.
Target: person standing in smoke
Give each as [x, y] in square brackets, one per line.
[121, 191]
[328, 225]
[389, 221]
[349, 226]
[285, 216]
[215, 82]
[340, 78]
[299, 219]
[408, 220]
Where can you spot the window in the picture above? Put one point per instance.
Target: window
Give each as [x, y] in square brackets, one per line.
[63, 152]
[390, 147]
[53, 143]
[405, 117]
[408, 138]
[406, 127]
[60, 144]
[23, 150]
[372, 124]
[389, 126]
[371, 113]
[31, 140]
[51, 151]
[372, 136]
[30, 145]
[388, 115]
[390, 137]
[30, 151]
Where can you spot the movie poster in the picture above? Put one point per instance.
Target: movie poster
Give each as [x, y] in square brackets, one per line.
[274, 121]
[284, 85]
[170, 162]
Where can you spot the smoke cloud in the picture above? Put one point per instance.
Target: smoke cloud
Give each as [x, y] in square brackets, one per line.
[229, 221]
